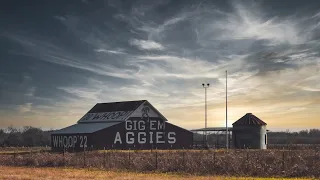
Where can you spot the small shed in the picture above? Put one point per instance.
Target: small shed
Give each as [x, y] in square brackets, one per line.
[249, 132]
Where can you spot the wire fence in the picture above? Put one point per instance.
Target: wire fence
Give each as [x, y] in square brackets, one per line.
[284, 163]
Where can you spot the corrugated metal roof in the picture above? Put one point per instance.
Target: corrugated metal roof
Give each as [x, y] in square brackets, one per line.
[84, 128]
[116, 106]
[250, 119]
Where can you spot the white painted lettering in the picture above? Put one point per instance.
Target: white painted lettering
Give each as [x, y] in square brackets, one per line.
[142, 140]
[142, 125]
[128, 125]
[152, 123]
[96, 116]
[88, 117]
[159, 135]
[65, 141]
[105, 115]
[74, 141]
[161, 125]
[70, 141]
[81, 141]
[134, 125]
[55, 141]
[151, 137]
[131, 140]
[171, 137]
[60, 141]
[117, 138]
[115, 115]
[85, 141]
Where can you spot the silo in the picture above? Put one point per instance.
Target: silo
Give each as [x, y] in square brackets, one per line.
[249, 132]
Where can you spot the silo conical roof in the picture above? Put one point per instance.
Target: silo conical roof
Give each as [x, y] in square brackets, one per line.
[249, 119]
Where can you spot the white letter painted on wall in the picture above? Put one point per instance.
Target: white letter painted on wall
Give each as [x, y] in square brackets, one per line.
[152, 123]
[128, 125]
[161, 125]
[142, 140]
[171, 137]
[159, 135]
[151, 137]
[117, 138]
[131, 140]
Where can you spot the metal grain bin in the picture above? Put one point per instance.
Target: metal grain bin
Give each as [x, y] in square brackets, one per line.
[249, 132]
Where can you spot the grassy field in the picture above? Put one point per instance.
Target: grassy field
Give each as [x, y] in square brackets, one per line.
[253, 163]
[18, 173]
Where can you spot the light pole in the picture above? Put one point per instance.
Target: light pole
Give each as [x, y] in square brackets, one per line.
[205, 86]
[227, 133]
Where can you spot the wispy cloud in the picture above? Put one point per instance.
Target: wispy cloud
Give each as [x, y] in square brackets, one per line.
[30, 91]
[272, 60]
[174, 66]
[45, 51]
[61, 18]
[110, 51]
[25, 108]
[146, 45]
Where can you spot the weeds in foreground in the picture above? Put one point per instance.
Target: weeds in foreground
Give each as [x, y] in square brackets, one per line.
[262, 163]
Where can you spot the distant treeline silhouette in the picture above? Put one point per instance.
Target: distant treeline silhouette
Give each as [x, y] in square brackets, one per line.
[311, 136]
[30, 136]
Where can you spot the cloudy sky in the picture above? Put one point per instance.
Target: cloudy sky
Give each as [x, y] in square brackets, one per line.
[59, 58]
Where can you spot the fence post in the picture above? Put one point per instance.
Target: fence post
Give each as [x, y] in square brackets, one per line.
[109, 159]
[84, 157]
[247, 159]
[14, 157]
[214, 159]
[283, 159]
[129, 158]
[183, 160]
[316, 154]
[156, 158]
[104, 157]
[64, 163]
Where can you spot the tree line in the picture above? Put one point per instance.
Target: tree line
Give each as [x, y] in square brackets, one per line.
[28, 136]
[311, 136]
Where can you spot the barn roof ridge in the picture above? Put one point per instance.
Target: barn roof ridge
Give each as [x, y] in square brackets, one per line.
[116, 106]
[121, 101]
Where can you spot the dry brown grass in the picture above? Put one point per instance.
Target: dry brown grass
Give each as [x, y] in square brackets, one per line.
[19, 173]
[250, 163]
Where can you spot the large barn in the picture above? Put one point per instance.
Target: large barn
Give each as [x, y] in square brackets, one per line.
[122, 125]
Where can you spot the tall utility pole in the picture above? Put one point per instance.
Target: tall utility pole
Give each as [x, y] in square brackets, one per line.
[205, 86]
[227, 134]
